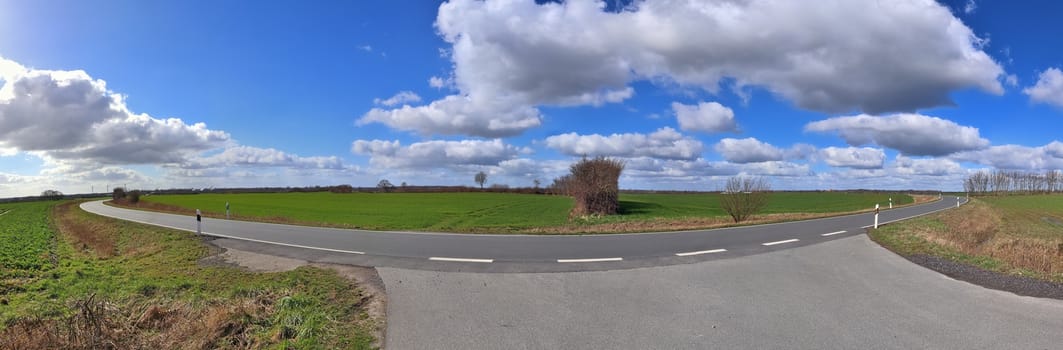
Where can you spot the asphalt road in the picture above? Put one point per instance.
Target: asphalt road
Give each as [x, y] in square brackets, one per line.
[527, 253]
[839, 291]
[847, 293]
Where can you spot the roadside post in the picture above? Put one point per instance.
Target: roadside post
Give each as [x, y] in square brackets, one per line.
[957, 201]
[876, 216]
[199, 222]
[226, 210]
[891, 202]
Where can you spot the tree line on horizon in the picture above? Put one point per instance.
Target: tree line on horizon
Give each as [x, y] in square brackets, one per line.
[1002, 182]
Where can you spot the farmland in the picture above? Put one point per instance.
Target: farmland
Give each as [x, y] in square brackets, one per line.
[24, 244]
[505, 212]
[1019, 235]
[77, 280]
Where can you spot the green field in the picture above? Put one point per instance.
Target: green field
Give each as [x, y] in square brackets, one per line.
[24, 243]
[1020, 234]
[65, 269]
[492, 212]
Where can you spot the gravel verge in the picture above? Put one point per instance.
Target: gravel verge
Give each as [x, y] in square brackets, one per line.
[1021, 285]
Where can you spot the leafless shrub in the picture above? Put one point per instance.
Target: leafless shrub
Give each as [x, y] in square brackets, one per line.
[744, 196]
[594, 185]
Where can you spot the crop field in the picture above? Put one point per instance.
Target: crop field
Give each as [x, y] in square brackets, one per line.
[24, 243]
[490, 212]
[1020, 234]
[76, 280]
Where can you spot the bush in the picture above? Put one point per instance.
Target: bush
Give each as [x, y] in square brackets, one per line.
[118, 194]
[744, 196]
[133, 196]
[594, 185]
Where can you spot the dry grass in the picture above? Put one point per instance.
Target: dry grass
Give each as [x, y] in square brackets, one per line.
[983, 230]
[97, 324]
[90, 235]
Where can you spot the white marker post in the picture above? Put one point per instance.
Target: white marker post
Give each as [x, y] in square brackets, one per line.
[226, 210]
[891, 202]
[199, 222]
[876, 216]
[957, 202]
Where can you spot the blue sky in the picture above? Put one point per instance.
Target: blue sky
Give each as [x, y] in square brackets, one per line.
[829, 95]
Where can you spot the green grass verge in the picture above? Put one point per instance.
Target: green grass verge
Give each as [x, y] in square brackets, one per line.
[493, 212]
[129, 265]
[1020, 235]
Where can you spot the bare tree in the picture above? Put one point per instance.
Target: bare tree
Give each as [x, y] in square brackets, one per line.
[480, 178]
[537, 183]
[744, 196]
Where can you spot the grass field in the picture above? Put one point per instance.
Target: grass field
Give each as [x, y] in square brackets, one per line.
[76, 280]
[1010, 234]
[501, 212]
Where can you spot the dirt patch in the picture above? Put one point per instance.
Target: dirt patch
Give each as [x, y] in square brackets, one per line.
[1020, 285]
[367, 278]
[1052, 220]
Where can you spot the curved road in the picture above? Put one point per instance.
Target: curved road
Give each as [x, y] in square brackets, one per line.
[839, 291]
[528, 253]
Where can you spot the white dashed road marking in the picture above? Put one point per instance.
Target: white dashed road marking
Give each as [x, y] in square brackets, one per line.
[780, 242]
[436, 258]
[702, 252]
[833, 233]
[588, 260]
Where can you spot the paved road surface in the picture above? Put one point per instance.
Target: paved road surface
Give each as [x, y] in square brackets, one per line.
[839, 291]
[530, 253]
[844, 294]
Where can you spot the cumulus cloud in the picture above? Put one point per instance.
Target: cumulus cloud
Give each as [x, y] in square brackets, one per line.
[813, 54]
[665, 143]
[246, 156]
[705, 117]
[970, 7]
[925, 166]
[911, 134]
[512, 56]
[403, 97]
[436, 153]
[853, 157]
[69, 115]
[458, 115]
[1048, 89]
[1017, 157]
[748, 150]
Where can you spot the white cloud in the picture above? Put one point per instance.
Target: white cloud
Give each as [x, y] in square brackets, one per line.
[403, 97]
[1048, 89]
[458, 115]
[905, 166]
[437, 82]
[436, 153]
[246, 156]
[366, 48]
[970, 7]
[853, 157]
[748, 150]
[911, 134]
[705, 117]
[67, 115]
[816, 55]
[665, 143]
[1011, 80]
[1047, 157]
